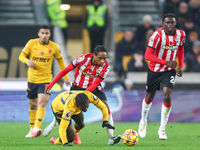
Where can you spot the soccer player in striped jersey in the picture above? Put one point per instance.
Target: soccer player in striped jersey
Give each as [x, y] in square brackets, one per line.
[72, 104]
[41, 52]
[91, 69]
[164, 45]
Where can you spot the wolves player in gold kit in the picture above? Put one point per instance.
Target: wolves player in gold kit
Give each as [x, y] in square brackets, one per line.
[41, 52]
[69, 105]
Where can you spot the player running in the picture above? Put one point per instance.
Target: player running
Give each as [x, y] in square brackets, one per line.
[91, 69]
[41, 52]
[69, 105]
[164, 45]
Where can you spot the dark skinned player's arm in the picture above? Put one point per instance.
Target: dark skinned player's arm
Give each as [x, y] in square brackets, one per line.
[63, 126]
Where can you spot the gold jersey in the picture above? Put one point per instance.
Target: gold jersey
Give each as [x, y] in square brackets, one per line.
[65, 103]
[42, 55]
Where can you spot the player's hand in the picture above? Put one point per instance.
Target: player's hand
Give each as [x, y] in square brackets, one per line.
[47, 89]
[67, 144]
[106, 124]
[67, 82]
[180, 72]
[171, 64]
[30, 63]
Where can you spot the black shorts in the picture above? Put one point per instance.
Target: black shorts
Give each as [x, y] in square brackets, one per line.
[33, 90]
[157, 80]
[98, 91]
[58, 117]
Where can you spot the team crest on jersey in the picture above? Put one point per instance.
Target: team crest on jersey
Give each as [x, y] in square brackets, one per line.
[67, 115]
[98, 71]
[50, 51]
[42, 53]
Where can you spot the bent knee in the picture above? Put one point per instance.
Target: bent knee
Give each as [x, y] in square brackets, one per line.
[81, 125]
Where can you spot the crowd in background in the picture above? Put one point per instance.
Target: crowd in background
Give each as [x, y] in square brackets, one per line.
[130, 50]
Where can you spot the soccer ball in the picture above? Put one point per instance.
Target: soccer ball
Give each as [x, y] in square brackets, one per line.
[130, 137]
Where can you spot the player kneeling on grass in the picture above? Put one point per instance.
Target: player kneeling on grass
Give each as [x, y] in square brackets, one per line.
[69, 105]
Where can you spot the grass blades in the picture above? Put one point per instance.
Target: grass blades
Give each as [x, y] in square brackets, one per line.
[181, 136]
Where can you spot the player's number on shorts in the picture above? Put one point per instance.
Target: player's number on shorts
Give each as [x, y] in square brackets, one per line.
[172, 80]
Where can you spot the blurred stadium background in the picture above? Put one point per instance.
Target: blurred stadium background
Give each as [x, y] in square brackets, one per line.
[19, 22]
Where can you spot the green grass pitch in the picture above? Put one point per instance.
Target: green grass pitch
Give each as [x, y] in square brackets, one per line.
[181, 136]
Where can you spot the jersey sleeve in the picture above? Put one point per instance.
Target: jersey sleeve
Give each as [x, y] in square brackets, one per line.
[154, 40]
[57, 54]
[60, 60]
[183, 37]
[78, 61]
[99, 104]
[65, 121]
[25, 52]
[104, 72]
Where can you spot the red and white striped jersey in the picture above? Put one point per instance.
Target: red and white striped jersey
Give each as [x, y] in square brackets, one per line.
[166, 47]
[86, 73]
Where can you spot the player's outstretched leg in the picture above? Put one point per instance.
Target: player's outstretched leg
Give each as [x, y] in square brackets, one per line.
[36, 132]
[112, 139]
[50, 127]
[77, 139]
[29, 133]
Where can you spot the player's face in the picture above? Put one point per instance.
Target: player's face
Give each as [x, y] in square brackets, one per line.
[44, 35]
[100, 58]
[84, 107]
[169, 24]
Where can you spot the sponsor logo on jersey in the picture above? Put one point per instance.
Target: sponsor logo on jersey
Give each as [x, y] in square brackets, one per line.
[50, 51]
[170, 47]
[90, 75]
[41, 59]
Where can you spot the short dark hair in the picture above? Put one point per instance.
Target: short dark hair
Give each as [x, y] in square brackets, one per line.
[44, 27]
[99, 48]
[81, 99]
[168, 15]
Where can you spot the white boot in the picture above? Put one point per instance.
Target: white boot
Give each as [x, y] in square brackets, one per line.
[50, 127]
